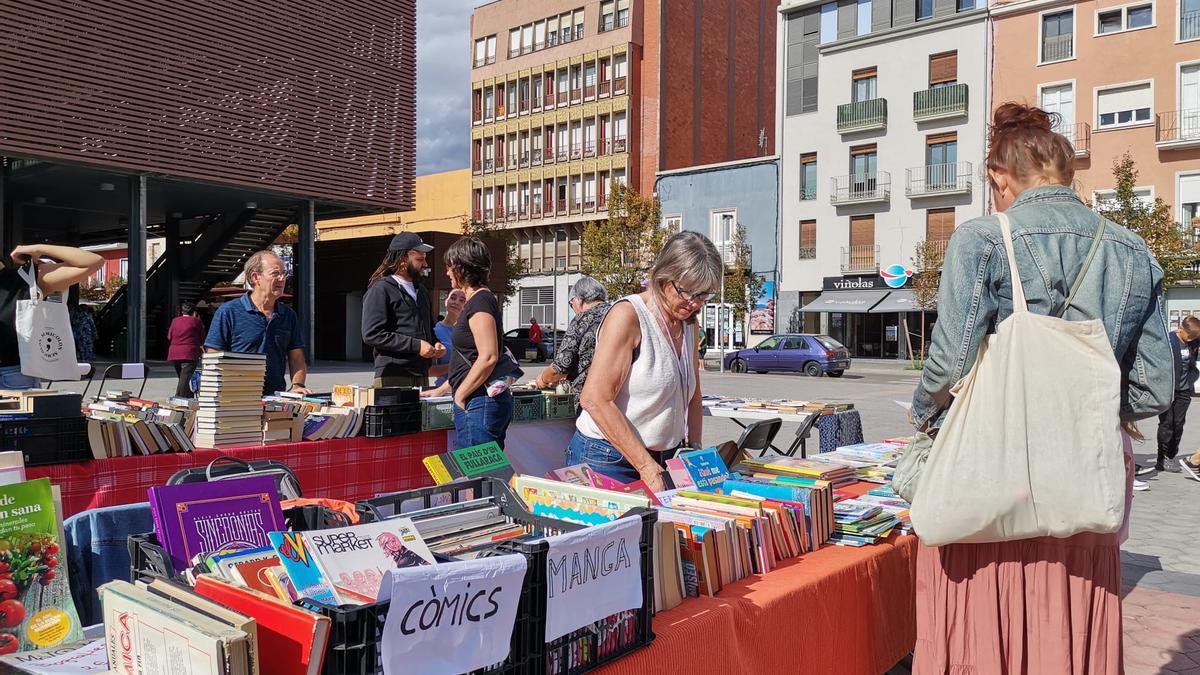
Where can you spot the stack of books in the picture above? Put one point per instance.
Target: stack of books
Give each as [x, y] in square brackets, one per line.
[121, 425]
[819, 467]
[230, 400]
[860, 522]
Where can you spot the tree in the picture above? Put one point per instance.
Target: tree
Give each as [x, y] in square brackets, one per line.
[1152, 222]
[514, 264]
[618, 252]
[742, 286]
[927, 277]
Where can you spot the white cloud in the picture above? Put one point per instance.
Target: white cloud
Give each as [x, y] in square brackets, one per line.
[443, 84]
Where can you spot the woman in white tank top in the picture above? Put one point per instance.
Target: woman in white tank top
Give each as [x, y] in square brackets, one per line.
[642, 396]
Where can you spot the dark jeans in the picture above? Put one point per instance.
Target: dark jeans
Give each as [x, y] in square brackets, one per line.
[485, 419]
[184, 369]
[604, 458]
[1170, 427]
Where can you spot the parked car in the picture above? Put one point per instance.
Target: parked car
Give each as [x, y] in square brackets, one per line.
[517, 341]
[813, 355]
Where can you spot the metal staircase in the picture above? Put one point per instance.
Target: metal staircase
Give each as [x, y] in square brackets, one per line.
[216, 255]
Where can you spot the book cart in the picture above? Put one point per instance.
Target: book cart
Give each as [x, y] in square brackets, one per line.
[356, 631]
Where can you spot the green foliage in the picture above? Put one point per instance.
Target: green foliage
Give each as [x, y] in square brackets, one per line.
[618, 252]
[1152, 222]
[514, 264]
[742, 286]
[927, 277]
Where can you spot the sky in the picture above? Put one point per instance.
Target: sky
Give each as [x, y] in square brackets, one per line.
[443, 84]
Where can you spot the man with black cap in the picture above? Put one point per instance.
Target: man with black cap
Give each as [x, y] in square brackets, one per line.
[397, 317]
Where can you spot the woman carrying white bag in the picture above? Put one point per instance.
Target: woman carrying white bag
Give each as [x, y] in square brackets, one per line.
[1050, 343]
[40, 321]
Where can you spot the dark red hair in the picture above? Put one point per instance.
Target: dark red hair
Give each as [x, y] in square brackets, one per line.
[1023, 144]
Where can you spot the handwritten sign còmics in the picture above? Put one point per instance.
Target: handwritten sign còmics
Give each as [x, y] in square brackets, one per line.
[592, 574]
[451, 618]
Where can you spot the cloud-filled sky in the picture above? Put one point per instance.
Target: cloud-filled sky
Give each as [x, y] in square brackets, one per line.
[443, 84]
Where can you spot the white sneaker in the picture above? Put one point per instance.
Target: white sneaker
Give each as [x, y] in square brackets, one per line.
[1141, 486]
[1148, 470]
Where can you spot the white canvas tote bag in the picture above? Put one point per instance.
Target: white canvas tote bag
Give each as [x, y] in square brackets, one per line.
[1032, 444]
[44, 338]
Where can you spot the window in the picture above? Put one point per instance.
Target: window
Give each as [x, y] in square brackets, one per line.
[1121, 19]
[770, 344]
[527, 39]
[861, 255]
[1189, 19]
[939, 225]
[124, 268]
[579, 24]
[924, 9]
[803, 38]
[514, 42]
[1124, 106]
[966, 5]
[808, 240]
[480, 52]
[622, 13]
[724, 227]
[539, 35]
[1189, 101]
[1105, 198]
[808, 176]
[674, 223]
[864, 84]
[864, 160]
[1058, 36]
[99, 276]
[552, 31]
[537, 303]
[1059, 101]
[1189, 204]
[943, 69]
[941, 149]
[608, 15]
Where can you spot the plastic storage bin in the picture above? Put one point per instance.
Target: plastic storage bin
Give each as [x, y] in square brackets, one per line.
[391, 420]
[560, 406]
[437, 415]
[47, 440]
[528, 407]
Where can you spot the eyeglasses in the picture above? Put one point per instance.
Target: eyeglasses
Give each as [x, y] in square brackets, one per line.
[699, 297]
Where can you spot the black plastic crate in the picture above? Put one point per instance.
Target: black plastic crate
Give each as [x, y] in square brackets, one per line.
[392, 420]
[47, 440]
[591, 646]
[528, 406]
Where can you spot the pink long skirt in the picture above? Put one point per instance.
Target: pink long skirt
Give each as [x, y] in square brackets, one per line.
[1025, 607]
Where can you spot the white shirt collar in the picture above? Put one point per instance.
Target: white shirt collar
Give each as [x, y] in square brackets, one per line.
[406, 285]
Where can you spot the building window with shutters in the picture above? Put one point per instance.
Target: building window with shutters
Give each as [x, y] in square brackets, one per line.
[537, 303]
[1057, 41]
[803, 37]
[808, 176]
[941, 162]
[808, 240]
[1125, 105]
[943, 70]
[862, 255]
[939, 225]
[865, 84]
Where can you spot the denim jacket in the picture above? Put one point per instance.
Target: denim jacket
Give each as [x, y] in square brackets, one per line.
[1052, 233]
[98, 552]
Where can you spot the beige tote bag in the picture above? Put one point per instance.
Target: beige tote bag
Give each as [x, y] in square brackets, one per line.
[1032, 445]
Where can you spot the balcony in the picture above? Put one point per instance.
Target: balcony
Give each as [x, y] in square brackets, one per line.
[524, 160]
[939, 103]
[618, 86]
[577, 151]
[808, 193]
[935, 249]
[489, 165]
[489, 216]
[1189, 25]
[537, 157]
[1058, 48]
[1178, 129]
[589, 149]
[562, 98]
[524, 105]
[576, 95]
[605, 86]
[564, 155]
[863, 259]
[589, 91]
[866, 115]
[477, 167]
[609, 22]
[860, 188]
[618, 145]
[808, 252]
[1079, 135]
[935, 180]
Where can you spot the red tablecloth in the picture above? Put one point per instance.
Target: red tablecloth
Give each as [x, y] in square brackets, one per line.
[842, 611]
[345, 468]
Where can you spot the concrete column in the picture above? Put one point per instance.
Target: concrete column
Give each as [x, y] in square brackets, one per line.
[305, 283]
[135, 291]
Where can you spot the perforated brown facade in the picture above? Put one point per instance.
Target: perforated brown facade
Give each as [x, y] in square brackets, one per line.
[315, 98]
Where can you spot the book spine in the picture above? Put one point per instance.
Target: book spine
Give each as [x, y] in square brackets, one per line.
[437, 469]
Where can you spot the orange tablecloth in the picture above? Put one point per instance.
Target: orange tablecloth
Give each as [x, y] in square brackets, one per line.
[842, 611]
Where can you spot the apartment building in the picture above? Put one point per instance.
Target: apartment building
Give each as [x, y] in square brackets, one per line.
[882, 110]
[562, 104]
[1121, 76]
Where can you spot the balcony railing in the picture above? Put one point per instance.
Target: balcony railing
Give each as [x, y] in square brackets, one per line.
[938, 179]
[564, 155]
[618, 86]
[489, 216]
[862, 115]
[562, 98]
[576, 151]
[808, 192]
[489, 165]
[618, 145]
[477, 167]
[860, 188]
[605, 86]
[589, 91]
[1079, 135]
[1189, 25]
[1178, 129]
[1058, 48]
[940, 103]
[524, 160]
[537, 102]
[610, 22]
[808, 252]
[537, 157]
[577, 95]
[859, 259]
[589, 149]
[524, 105]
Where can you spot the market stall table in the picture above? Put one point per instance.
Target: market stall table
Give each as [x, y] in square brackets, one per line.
[837, 429]
[344, 468]
[839, 610]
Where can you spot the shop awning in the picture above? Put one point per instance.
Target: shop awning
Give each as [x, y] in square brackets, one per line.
[845, 301]
[897, 301]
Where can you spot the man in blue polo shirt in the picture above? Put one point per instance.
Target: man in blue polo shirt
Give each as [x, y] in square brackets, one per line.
[257, 323]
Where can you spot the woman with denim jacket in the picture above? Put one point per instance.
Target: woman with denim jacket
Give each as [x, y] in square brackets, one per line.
[1041, 605]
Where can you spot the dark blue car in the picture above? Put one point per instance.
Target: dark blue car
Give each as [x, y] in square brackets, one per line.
[813, 355]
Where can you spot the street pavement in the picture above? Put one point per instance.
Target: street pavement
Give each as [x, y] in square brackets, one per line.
[1160, 560]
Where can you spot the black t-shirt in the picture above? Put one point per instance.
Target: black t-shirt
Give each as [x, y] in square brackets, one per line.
[463, 340]
[12, 289]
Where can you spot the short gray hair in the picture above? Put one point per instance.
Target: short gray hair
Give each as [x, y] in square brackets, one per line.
[690, 260]
[255, 265]
[588, 289]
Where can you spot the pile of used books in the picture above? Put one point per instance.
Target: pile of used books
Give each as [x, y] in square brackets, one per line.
[818, 467]
[230, 399]
[121, 425]
[780, 406]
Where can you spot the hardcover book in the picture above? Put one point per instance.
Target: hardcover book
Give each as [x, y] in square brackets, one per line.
[202, 517]
[307, 579]
[354, 559]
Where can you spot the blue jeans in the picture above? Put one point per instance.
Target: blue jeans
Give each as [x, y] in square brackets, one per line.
[602, 457]
[12, 378]
[485, 419]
